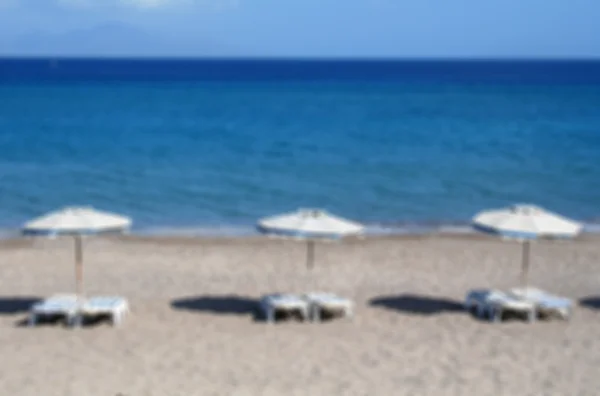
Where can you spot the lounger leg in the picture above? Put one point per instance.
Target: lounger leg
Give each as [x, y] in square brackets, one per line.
[32, 320]
[114, 318]
[495, 314]
[74, 320]
[122, 313]
[270, 314]
[531, 315]
[317, 313]
[314, 314]
[480, 310]
[473, 309]
[469, 308]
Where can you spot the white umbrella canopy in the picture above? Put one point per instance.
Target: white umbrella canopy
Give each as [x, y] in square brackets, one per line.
[526, 222]
[77, 221]
[309, 224]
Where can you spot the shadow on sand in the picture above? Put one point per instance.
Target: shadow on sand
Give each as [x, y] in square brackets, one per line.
[419, 305]
[590, 302]
[228, 305]
[222, 305]
[16, 305]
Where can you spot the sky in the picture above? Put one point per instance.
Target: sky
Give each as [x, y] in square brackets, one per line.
[302, 28]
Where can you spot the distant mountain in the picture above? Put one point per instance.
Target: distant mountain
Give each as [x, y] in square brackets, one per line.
[110, 39]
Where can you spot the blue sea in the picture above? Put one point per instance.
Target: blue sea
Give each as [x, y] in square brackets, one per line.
[210, 146]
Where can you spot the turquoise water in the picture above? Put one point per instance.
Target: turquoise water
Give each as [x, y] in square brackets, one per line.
[212, 154]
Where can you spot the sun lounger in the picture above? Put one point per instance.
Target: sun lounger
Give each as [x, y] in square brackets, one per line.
[114, 307]
[493, 303]
[328, 302]
[290, 303]
[62, 305]
[546, 303]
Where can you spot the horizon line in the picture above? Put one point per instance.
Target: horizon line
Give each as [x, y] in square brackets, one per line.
[298, 58]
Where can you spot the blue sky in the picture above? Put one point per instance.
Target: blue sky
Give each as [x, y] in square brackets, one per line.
[303, 28]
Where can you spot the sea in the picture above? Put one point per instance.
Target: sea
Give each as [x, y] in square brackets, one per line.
[208, 146]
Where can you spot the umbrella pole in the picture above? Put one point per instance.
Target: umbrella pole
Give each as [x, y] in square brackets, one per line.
[310, 254]
[79, 264]
[525, 268]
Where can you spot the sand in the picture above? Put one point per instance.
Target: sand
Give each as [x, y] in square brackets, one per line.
[192, 331]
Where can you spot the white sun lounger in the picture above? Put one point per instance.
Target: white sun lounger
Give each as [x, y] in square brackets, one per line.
[114, 307]
[492, 303]
[65, 305]
[545, 302]
[272, 303]
[328, 302]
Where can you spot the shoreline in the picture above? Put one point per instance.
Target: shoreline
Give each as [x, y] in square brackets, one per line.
[20, 241]
[249, 232]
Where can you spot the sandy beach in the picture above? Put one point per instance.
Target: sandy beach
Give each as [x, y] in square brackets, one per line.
[192, 330]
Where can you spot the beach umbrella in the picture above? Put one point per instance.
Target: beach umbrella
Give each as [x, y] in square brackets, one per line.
[309, 225]
[526, 223]
[77, 221]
